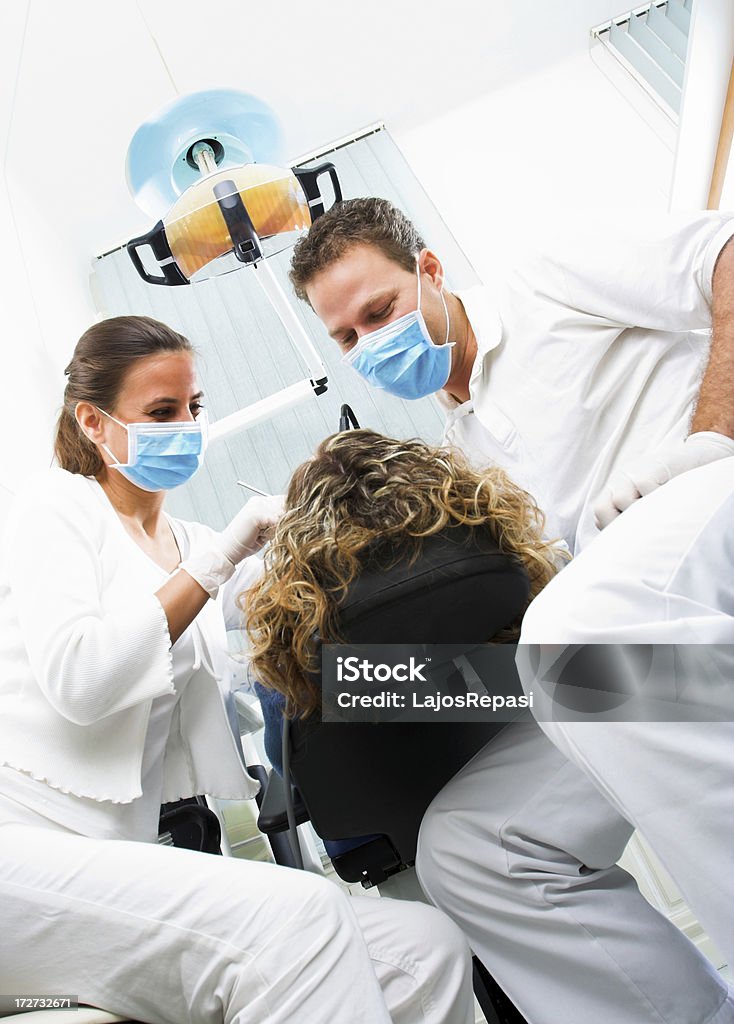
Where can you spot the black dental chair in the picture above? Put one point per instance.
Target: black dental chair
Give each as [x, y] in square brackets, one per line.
[363, 781]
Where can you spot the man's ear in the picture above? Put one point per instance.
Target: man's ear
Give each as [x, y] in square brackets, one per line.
[91, 421]
[429, 263]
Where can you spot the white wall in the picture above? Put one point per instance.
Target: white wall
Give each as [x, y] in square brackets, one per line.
[24, 360]
[562, 139]
[76, 82]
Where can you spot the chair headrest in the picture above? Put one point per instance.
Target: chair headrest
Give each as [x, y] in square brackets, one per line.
[461, 589]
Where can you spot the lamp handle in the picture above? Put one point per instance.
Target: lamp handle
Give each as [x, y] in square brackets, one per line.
[157, 241]
[308, 178]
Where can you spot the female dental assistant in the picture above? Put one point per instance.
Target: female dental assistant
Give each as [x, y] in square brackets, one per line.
[113, 680]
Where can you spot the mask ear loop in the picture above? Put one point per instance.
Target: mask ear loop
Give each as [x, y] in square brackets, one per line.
[445, 307]
[448, 322]
[115, 461]
[110, 417]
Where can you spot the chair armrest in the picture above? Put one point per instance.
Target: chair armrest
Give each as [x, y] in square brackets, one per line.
[194, 827]
[273, 817]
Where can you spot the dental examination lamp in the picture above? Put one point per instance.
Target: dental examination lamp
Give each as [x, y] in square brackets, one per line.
[209, 166]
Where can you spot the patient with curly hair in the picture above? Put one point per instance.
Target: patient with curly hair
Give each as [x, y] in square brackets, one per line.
[366, 503]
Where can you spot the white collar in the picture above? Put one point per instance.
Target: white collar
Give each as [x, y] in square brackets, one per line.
[487, 326]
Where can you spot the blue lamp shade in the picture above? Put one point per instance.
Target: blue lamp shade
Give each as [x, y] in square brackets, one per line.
[159, 167]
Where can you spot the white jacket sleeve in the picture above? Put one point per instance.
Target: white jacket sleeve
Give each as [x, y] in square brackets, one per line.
[654, 273]
[92, 653]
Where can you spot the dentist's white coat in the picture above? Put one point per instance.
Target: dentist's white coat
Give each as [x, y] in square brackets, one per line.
[591, 359]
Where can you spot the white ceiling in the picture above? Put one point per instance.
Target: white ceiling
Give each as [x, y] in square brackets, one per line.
[88, 73]
[327, 67]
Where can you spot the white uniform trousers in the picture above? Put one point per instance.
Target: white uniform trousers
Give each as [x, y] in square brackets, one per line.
[171, 936]
[663, 572]
[521, 847]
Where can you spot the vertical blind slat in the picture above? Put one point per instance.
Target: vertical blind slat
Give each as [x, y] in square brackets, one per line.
[668, 31]
[663, 56]
[664, 86]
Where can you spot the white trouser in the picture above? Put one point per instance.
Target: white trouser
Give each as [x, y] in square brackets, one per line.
[520, 847]
[662, 573]
[170, 936]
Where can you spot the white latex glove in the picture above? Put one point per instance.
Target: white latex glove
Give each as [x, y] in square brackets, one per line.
[245, 535]
[651, 471]
[252, 527]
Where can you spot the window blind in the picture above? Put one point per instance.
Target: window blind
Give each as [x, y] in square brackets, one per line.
[649, 45]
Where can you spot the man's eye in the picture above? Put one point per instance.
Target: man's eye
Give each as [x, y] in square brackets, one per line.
[380, 314]
[196, 408]
[349, 342]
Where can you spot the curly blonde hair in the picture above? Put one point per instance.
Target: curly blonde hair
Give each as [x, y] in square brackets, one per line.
[364, 496]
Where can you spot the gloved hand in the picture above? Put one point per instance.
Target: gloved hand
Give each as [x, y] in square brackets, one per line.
[245, 535]
[651, 471]
[251, 527]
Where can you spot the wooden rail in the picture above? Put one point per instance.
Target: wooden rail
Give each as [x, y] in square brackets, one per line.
[723, 149]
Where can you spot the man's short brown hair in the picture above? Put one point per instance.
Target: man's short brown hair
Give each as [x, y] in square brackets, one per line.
[374, 221]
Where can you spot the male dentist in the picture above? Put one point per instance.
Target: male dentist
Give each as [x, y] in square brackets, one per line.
[594, 383]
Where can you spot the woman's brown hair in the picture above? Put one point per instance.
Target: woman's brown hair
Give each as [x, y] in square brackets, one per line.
[363, 493]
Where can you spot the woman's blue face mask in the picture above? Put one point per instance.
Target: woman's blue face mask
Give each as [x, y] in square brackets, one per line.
[161, 456]
[401, 357]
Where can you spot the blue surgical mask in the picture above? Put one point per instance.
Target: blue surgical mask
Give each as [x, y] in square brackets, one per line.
[161, 456]
[401, 357]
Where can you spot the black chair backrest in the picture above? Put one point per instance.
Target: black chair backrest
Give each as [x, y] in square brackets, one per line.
[359, 779]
